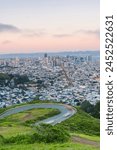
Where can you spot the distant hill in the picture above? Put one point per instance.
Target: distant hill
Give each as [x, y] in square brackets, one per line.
[41, 54]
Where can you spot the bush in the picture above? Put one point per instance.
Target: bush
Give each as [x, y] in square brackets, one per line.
[93, 110]
[45, 133]
[96, 112]
[1, 139]
[52, 134]
[87, 107]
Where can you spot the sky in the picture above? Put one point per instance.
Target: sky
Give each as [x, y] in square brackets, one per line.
[49, 25]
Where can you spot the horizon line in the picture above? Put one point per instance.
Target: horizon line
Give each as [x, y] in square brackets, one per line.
[73, 51]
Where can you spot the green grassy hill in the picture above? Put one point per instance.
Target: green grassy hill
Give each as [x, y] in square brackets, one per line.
[82, 128]
[20, 123]
[82, 122]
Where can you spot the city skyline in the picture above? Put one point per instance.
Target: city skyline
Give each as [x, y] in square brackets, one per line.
[50, 25]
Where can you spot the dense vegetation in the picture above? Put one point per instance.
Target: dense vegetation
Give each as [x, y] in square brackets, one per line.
[93, 110]
[45, 133]
[12, 80]
[4, 78]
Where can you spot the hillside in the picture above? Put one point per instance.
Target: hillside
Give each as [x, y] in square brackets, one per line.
[82, 122]
[83, 131]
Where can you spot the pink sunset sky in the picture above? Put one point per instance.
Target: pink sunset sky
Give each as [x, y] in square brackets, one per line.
[48, 25]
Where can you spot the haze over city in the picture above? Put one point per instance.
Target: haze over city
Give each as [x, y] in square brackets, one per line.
[28, 26]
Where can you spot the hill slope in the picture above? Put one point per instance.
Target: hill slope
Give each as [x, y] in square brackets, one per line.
[83, 128]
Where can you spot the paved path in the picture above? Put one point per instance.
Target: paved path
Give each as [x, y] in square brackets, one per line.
[66, 112]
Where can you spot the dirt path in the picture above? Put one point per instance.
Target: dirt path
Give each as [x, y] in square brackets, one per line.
[28, 116]
[77, 139]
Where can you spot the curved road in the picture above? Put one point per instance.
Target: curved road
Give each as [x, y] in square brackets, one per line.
[66, 112]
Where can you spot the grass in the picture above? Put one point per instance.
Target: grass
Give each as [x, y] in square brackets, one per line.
[20, 123]
[15, 130]
[36, 146]
[82, 123]
[32, 115]
[93, 137]
[88, 137]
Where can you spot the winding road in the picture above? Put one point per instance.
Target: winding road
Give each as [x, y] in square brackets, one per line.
[66, 112]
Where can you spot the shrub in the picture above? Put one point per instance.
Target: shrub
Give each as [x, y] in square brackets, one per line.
[45, 133]
[1, 139]
[93, 110]
[52, 133]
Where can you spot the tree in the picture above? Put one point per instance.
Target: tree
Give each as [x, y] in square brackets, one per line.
[96, 112]
[87, 107]
[21, 79]
[40, 84]
[93, 110]
[4, 78]
[51, 134]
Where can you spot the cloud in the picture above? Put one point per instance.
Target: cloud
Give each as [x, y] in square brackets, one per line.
[34, 33]
[90, 32]
[8, 28]
[62, 35]
[6, 42]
